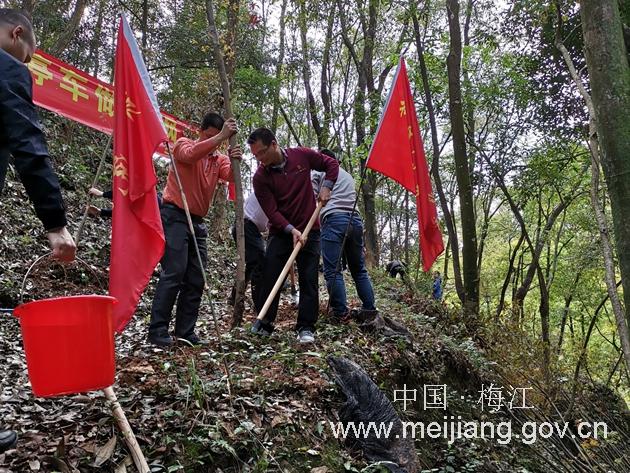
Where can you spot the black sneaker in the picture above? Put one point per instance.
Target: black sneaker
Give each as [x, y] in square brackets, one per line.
[8, 439]
[193, 341]
[161, 340]
[262, 328]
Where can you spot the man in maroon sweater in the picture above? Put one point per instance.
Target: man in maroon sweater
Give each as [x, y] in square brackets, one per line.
[283, 188]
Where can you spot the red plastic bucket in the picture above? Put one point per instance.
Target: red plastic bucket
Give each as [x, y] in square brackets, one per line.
[69, 344]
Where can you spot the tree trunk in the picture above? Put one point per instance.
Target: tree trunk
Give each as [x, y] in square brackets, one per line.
[485, 225]
[467, 210]
[435, 165]
[609, 73]
[229, 44]
[276, 92]
[565, 311]
[470, 109]
[600, 216]
[508, 277]
[369, 183]
[325, 79]
[75, 20]
[607, 250]
[96, 41]
[145, 24]
[217, 216]
[447, 256]
[239, 303]
[407, 225]
[543, 309]
[392, 224]
[369, 219]
[365, 83]
[536, 250]
[306, 75]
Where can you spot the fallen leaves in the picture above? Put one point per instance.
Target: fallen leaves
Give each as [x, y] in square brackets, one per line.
[105, 452]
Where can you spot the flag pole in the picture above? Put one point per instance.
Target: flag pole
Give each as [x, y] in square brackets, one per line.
[363, 174]
[101, 164]
[191, 228]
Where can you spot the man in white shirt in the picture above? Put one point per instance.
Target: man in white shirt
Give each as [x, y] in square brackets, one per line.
[338, 218]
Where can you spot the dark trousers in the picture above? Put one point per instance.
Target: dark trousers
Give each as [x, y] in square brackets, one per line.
[181, 278]
[279, 249]
[254, 256]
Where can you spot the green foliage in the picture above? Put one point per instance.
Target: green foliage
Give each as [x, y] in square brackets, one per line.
[525, 127]
[559, 109]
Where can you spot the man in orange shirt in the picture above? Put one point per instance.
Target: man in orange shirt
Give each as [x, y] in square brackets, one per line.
[200, 167]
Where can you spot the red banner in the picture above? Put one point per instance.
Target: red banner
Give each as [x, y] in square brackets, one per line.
[64, 89]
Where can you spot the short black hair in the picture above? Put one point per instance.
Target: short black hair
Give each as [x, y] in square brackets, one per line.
[265, 135]
[213, 120]
[327, 152]
[11, 16]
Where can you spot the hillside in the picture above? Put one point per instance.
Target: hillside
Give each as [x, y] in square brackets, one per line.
[283, 398]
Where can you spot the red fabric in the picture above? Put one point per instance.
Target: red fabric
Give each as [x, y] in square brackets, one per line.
[137, 235]
[398, 152]
[74, 94]
[231, 192]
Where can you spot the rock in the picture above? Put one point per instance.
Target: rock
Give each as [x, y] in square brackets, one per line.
[366, 403]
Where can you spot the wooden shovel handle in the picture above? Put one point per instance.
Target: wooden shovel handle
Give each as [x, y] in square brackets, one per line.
[289, 262]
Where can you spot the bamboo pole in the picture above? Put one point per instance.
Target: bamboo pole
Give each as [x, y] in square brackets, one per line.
[125, 428]
[121, 419]
[77, 235]
[289, 262]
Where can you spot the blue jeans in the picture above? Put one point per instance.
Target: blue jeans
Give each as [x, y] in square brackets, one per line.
[333, 229]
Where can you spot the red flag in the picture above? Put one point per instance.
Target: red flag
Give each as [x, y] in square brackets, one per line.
[398, 152]
[137, 235]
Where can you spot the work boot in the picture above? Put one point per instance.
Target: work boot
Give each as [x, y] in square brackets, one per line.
[8, 439]
[364, 316]
[193, 341]
[161, 340]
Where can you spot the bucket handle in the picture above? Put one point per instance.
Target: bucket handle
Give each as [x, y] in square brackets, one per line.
[45, 255]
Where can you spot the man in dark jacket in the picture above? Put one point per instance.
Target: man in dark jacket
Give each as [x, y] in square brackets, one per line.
[21, 136]
[283, 188]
